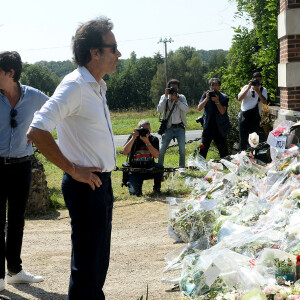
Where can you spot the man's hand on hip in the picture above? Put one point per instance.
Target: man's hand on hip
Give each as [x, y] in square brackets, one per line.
[86, 175]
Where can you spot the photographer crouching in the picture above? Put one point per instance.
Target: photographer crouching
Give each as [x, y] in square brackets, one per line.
[215, 122]
[252, 96]
[142, 148]
[174, 108]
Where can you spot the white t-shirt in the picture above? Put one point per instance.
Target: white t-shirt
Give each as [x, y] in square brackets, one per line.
[251, 98]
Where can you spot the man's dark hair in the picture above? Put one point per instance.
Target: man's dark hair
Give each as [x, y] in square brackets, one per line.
[89, 36]
[256, 74]
[172, 81]
[214, 81]
[11, 60]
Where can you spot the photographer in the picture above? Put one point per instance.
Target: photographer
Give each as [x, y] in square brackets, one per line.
[216, 123]
[252, 96]
[142, 148]
[176, 105]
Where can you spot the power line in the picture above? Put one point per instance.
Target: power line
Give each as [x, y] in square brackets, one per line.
[134, 40]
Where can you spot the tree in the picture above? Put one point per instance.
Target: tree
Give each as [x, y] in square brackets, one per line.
[255, 49]
[39, 77]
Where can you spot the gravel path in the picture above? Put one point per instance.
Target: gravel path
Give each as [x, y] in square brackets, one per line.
[139, 243]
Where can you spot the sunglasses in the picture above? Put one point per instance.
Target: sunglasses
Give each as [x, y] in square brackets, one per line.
[13, 121]
[114, 47]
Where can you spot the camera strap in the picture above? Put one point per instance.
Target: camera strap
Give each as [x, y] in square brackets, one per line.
[168, 117]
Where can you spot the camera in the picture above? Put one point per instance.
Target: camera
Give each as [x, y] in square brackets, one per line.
[163, 126]
[172, 90]
[200, 120]
[213, 93]
[143, 131]
[255, 82]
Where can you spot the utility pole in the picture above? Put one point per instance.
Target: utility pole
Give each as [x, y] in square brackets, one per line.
[165, 41]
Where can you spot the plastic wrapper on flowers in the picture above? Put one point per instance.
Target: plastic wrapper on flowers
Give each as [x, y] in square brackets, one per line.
[191, 223]
[197, 161]
[218, 271]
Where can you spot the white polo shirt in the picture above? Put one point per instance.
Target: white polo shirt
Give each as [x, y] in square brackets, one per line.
[79, 110]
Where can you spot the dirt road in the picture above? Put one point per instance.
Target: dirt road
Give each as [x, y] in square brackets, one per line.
[139, 243]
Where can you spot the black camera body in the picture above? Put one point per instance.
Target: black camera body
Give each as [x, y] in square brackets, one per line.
[143, 131]
[163, 126]
[172, 90]
[200, 120]
[213, 93]
[255, 82]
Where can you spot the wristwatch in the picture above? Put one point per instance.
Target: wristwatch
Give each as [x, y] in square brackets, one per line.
[147, 145]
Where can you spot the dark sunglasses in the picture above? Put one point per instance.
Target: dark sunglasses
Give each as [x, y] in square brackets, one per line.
[13, 121]
[114, 47]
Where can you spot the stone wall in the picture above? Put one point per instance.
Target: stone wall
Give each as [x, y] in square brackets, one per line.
[39, 197]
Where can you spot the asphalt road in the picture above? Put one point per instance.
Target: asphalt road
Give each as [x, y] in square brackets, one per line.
[120, 140]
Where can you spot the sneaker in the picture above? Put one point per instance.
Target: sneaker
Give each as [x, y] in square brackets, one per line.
[2, 284]
[23, 277]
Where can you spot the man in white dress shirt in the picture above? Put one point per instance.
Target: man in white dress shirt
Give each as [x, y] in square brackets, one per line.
[86, 153]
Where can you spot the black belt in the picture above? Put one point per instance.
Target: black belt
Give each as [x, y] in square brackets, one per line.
[178, 125]
[13, 160]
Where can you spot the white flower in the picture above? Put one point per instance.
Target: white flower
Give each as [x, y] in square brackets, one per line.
[253, 139]
[295, 193]
[288, 203]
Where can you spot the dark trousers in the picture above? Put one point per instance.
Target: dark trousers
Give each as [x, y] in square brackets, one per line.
[135, 180]
[213, 134]
[245, 128]
[91, 216]
[14, 190]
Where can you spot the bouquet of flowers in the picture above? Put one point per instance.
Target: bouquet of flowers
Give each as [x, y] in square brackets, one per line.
[190, 223]
[284, 267]
[241, 189]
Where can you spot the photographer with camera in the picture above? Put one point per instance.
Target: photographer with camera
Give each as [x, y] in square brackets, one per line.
[142, 148]
[215, 123]
[174, 108]
[252, 96]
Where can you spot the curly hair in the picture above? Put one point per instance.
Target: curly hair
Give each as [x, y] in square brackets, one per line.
[11, 60]
[89, 36]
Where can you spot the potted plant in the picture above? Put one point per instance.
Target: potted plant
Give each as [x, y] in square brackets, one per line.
[285, 270]
[266, 121]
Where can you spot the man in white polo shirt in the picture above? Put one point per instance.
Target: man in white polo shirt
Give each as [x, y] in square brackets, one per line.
[86, 153]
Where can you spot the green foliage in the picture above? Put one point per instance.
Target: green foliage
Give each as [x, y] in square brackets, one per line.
[39, 77]
[255, 49]
[60, 68]
[233, 136]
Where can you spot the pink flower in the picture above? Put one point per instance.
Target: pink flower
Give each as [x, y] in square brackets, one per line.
[268, 290]
[278, 297]
[293, 297]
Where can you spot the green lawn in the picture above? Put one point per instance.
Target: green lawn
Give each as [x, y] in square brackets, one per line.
[123, 123]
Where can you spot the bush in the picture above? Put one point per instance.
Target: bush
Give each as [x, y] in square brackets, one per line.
[233, 113]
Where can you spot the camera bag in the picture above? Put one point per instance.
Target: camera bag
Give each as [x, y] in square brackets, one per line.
[164, 122]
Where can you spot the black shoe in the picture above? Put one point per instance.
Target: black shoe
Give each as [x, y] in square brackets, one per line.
[157, 192]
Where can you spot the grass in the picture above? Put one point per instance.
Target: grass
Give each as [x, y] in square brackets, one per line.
[123, 123]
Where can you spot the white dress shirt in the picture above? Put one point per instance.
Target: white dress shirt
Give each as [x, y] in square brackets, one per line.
[79, 110]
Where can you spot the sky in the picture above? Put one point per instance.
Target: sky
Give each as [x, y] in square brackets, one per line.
[42, 30]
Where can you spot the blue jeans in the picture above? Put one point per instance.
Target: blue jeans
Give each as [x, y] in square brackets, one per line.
[91, 216]
[135, 180]
[14, 189]
[179, 134]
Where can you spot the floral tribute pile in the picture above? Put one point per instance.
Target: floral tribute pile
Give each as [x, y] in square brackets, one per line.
[241, 228]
